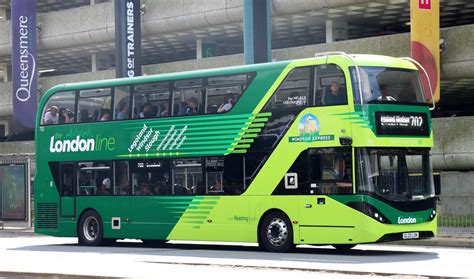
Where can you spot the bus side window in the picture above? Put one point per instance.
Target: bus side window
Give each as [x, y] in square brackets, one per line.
[214, 175]
[187, 97]
[151, 100]
[122, 179]
[150, 177]
[121, 103]
[329, 86]
[331, 170]
[187, 177]
[95, 105]
[293, 92]
[94, 178]
[60, 109]
[223, 92]
[67, 180]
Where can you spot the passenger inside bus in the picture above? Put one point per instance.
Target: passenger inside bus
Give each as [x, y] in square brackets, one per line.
[65, 116]
[384, 94]
[105, 115]
[227, 104]
[191, 107]
[146, 111]
[51, 116]
[165, 110]
[336, 171]
[335, 96]
[104, 188]
[122, 111]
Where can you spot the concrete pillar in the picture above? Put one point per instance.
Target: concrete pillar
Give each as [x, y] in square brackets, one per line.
[336, 30]
[257, 31]
[93, 2]
[198, 49]
[101, 62]
[3, 14]
[6, 70]
[205, 49]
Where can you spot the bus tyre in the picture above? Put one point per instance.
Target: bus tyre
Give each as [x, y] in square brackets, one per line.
[276, 233]
[90, 230]
[344, 247]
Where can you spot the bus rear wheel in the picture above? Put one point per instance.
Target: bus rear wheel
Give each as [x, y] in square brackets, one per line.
[276, 232]
[90, 229]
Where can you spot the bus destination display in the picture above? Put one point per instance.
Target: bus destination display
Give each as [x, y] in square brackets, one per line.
[401, 123]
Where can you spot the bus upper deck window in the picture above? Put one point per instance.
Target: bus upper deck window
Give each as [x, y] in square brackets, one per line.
[95, 105]
[330, 86]
[187, 97]
[122, 103]
[293, 92]
[60, 109]
[151, 100]
[223, 92]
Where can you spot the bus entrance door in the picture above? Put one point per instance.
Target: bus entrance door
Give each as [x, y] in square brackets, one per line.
[322, 221]
[67, 190]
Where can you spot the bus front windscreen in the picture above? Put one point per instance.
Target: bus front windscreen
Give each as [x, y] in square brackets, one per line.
[380, 84]
[400, 174]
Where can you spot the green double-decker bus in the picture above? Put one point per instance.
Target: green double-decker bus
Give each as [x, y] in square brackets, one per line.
[333, 149]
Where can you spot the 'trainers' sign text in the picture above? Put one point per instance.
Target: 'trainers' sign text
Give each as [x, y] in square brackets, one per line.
[128, 38]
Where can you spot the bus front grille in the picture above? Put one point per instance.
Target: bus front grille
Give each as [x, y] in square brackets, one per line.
[47, 216]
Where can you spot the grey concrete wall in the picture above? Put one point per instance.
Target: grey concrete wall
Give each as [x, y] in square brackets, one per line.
[453, 143]
[457, 193]
[19, 151]
[457, 61]
[91, 25]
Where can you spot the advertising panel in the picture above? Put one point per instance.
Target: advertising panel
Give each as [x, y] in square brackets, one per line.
[13, 192]
[23, 24]
[128, 38]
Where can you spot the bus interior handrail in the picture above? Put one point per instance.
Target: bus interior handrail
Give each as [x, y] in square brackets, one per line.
[427, 78]
[342, 53]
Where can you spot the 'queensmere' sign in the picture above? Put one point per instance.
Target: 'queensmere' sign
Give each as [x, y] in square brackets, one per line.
[23, 25]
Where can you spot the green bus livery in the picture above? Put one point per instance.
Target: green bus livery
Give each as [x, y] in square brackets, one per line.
[332, 150]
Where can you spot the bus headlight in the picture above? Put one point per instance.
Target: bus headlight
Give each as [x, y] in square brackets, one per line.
[370, 210]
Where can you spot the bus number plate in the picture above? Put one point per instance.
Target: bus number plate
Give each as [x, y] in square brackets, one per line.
[411, 235]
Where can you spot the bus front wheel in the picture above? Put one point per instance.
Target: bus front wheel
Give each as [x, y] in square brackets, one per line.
[276, 232]
[90, 230]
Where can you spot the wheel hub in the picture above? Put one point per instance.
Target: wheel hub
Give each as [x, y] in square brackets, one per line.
[277, 232]
[91, 228]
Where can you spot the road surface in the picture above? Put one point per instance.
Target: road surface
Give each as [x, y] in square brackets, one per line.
[31, 254]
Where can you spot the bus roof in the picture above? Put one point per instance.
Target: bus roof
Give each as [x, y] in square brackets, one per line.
[357, 59]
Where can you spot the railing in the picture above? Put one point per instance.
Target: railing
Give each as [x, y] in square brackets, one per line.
[452, 224]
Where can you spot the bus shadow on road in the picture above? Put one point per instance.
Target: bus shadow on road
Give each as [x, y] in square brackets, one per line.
[315, 254]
